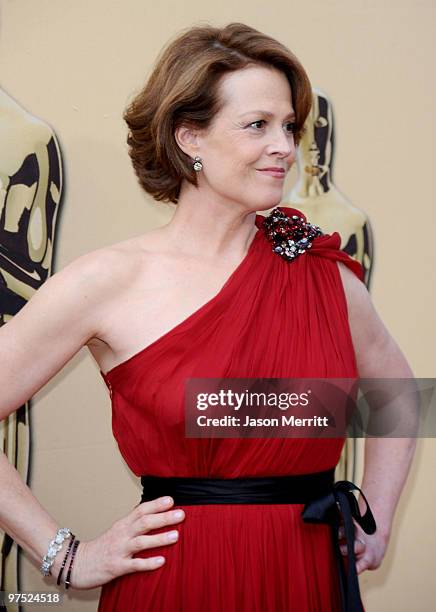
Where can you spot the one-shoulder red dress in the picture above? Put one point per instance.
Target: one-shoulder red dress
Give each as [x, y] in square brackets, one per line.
[272, 318]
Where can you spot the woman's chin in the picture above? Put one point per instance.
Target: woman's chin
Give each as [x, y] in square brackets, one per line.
[271, 200]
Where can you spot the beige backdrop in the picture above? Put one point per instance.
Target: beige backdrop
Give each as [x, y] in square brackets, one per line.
[74, 64]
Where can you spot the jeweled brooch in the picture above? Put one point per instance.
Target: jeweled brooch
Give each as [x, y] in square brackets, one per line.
[291, 235]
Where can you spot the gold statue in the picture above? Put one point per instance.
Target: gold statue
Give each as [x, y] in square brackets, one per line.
[324, 205]
[30, 193]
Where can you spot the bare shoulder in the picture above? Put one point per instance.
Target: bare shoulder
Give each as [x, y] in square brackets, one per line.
[362, 314]
[108, 270]
[355, 290]
[368, 331]
[81, 303]
[51, 327]
[105, 264]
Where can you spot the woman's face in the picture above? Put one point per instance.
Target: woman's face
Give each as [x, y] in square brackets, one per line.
[253, 131]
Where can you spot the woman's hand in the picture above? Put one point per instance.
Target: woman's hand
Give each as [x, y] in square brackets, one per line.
[110, 555]
[369, 549]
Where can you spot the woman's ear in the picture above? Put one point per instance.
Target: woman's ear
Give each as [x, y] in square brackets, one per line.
[187, 139]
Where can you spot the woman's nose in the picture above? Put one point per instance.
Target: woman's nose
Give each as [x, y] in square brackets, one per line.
[283, 144]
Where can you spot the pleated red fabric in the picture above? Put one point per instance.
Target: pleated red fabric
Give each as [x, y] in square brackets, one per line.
[272, 318]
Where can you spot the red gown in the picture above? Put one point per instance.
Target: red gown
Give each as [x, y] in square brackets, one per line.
[272, 318]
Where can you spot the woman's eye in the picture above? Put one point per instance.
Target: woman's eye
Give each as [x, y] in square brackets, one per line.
[262, 121]
[259, 121]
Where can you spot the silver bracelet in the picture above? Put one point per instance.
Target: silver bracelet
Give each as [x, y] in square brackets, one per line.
[53, 548]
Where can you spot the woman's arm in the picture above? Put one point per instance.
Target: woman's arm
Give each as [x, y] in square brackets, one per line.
[34, 345]
[387, 460]
[59, 319]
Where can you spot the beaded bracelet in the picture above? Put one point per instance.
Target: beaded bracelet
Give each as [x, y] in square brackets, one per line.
[53, 548]
[73, 537]
[73, 553]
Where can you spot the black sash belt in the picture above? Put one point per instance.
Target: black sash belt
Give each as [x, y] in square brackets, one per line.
[325, 501]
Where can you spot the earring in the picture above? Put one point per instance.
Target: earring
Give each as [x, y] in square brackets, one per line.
[197, 164]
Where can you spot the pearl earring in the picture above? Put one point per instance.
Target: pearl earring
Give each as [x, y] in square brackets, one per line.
[197, 164]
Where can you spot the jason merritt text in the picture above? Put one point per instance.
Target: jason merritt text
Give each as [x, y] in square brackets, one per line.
[232, 421]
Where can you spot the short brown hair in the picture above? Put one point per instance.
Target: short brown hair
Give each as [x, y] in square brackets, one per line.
[183, 89]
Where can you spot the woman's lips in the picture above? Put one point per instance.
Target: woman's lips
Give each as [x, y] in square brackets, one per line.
[280, 174]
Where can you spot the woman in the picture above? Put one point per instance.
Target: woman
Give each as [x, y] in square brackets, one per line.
[214, 131]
